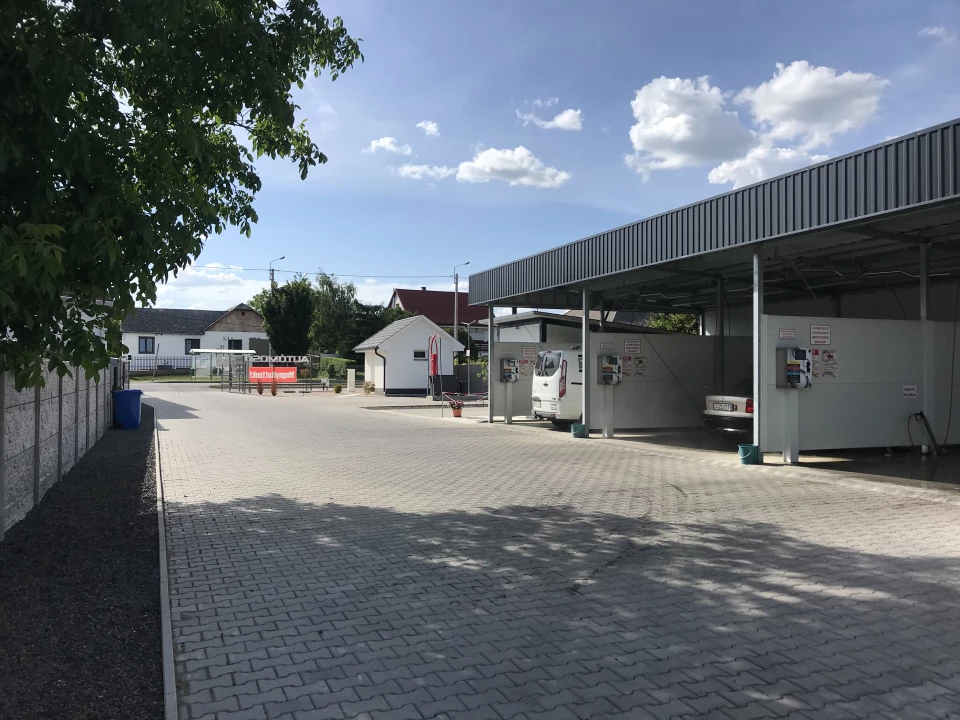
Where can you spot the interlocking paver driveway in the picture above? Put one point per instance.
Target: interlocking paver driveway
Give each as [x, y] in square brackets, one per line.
[333, 562]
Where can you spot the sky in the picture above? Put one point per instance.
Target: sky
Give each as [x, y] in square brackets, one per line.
[484, 132]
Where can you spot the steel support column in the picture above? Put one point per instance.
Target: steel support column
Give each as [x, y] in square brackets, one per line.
[927, 342]
[721, 354]
[491, 331]
[587, 376]
[759, 411]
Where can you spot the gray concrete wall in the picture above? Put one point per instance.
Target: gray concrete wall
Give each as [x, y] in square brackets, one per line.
[44, 433]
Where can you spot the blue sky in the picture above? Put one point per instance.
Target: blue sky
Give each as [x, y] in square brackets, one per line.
[543, 122]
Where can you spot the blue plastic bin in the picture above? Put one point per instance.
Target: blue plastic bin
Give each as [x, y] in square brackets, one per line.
[126, 405]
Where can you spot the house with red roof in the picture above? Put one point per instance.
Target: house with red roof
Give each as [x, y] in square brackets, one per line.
[437, 306]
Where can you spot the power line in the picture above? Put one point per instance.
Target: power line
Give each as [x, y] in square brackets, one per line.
[311, 272]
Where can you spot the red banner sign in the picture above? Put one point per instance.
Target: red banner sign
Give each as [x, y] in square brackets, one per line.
[266, 374]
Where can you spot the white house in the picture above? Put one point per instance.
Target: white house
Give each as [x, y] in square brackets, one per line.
[396, 359]
[170, 334]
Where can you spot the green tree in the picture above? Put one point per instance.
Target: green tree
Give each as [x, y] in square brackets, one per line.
[334, 324]
[288, 314]
[675, 322]
[128, 134]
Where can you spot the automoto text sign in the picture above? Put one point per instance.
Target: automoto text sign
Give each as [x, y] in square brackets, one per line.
[267, 374]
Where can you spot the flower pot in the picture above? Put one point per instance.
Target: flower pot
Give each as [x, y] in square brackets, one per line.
[457, 412]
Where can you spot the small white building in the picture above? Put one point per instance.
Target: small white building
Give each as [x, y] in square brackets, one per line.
[165, 336]
[397, 359]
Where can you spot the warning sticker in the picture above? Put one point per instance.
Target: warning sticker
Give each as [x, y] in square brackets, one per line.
[819, 334]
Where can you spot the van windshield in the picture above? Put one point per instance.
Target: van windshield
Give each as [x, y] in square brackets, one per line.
[547, 364]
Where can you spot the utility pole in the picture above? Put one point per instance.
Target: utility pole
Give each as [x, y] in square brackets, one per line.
[270, 266]
[456, 301]
[282, 257]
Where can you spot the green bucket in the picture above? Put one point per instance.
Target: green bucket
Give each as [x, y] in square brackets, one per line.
[749, 455]
[578, 430]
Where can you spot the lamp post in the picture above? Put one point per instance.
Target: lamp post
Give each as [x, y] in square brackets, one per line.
[456, 298]
[270, 266]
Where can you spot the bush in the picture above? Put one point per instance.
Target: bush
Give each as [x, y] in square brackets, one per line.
[333, 367]
[369, 388]
[338, 388]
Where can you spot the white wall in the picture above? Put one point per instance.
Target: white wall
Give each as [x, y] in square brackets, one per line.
[898, 304]
[373, 369]
[529, 332]
[403, 372]
[679, 375]
[864, 405]
[171, 344]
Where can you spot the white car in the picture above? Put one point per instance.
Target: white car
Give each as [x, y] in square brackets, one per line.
[733, 412]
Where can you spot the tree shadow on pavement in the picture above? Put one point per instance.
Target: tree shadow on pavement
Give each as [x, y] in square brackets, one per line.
[552, 606]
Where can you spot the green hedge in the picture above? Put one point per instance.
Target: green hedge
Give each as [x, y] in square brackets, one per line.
[334, 367]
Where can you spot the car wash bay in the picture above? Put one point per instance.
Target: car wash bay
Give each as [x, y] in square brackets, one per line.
[856, 260]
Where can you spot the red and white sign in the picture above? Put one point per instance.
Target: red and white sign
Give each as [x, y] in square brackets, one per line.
[819, 334]
[266, 374]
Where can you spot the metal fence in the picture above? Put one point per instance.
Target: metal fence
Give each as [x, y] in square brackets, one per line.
[142, 363]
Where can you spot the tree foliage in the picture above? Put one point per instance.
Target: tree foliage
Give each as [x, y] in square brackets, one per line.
[334, 328]
[675, 322]
[128, 134]
[288, 314]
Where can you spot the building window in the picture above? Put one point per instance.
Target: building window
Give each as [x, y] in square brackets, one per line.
[146, 346]
[234, 344]
[419, 354]
[190, 344]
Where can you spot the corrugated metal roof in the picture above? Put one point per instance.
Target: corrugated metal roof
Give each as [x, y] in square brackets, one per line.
[881, 181]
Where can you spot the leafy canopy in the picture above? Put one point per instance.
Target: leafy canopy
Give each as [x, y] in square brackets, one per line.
[675, 322]
[288, 314]
[128, 133]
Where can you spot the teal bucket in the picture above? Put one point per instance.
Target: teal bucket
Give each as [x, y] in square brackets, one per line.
[749, 455]
[578, 430]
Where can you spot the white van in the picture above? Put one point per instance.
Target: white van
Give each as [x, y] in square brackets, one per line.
[557, 378]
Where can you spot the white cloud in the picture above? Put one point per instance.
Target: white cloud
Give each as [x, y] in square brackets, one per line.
[210, 288]
[418, 172]
[761, 163]
[388, 144]
[550, 102]
[684, 123]
[429, 127]
[812, 103]
[516, 167]
[939, 32]
[567, 120]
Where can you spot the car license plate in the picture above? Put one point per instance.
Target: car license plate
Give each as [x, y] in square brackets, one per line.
[725, 407]
[536, 402]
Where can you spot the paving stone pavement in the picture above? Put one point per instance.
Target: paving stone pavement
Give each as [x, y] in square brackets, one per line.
[332, 562]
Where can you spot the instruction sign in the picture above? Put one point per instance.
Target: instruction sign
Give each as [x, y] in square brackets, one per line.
[507, 351]
[529, 351]
[909, 391]
[788, 334]
[631, 346]
[606, 346]
[819, 334]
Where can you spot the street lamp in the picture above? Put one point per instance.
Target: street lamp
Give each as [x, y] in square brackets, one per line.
[456, 298]
[270, 266]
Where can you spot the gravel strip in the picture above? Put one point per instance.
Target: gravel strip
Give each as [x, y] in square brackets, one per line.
[79, 598]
